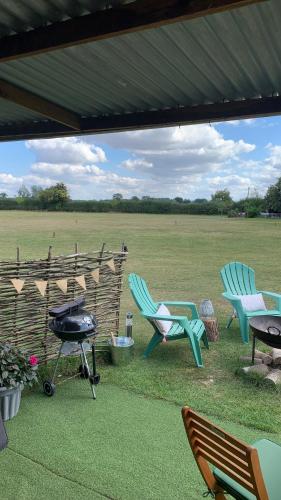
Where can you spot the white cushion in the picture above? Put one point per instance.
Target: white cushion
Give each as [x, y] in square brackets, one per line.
[163, 325]
[253, 302]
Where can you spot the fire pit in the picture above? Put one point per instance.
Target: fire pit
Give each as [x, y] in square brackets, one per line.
[267, 329]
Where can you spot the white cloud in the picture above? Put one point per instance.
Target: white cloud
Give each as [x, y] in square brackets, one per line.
[247, 121]
[174, 160]
[138, 164]
[64, 170]
[190, 161]
[66, 150]
[10, 179]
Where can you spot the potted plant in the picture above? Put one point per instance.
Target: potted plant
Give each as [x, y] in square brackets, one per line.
[17, 370]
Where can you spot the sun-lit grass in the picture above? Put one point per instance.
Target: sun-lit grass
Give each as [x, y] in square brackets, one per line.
[180, 257]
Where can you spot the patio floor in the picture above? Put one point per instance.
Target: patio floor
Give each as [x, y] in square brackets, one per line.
[121, 446]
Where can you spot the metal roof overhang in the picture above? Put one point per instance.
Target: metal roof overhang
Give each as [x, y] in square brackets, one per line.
[83, 67]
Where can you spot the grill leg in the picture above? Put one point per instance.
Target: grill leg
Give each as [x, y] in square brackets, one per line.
[85, 362]
[253, 349]
[57, 362]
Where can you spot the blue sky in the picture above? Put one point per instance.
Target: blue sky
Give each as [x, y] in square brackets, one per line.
[191, 161]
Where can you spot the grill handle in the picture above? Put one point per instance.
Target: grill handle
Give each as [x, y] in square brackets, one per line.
[275, 332]
[66, 309]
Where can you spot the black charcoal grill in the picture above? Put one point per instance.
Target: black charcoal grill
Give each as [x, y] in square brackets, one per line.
[72, 323]
[267, 329]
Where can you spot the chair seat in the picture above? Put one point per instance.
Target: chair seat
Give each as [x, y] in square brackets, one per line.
[270, 462]
[197, 326]
[268, 312]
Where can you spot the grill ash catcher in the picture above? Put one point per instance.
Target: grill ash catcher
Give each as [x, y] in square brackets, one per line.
[72, 323]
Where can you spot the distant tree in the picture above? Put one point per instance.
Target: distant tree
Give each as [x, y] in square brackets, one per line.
[56, 195]
[222, 195]
[178, 199]
[3, 195]
[273, 197]
[35, 191]
[23, 192]
[135, 198]
[117, 196]
[200, 200]
[146, 198]
[222, 200]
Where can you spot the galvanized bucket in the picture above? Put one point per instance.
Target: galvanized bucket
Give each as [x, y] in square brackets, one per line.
[9, 402]
[122, 351]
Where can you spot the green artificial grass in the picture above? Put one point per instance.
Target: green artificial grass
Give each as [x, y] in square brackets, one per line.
[180, 258]
[121, 446]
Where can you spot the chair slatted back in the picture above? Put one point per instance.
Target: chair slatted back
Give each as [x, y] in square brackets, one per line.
[238, 279]
[236, 459]
[141, 294]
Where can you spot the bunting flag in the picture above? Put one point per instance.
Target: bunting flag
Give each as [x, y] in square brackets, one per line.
[81, 281]
[96, 275]
[42, 286]
[18, 284]
[62, 284]
[110, 264]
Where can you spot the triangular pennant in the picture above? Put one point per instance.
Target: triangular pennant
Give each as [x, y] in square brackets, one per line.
[96, 275]
[62, 284]
[110, 264]
[42, 286]
[81, 281]
[18, 284]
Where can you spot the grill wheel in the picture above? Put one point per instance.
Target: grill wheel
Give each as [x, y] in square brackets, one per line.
[49, 388]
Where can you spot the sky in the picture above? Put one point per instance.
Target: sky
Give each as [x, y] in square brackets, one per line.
[190, 161]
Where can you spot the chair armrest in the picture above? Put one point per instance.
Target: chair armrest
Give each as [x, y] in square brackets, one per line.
[164, 317]
[275, 296]
[189, 305]
[231, 298]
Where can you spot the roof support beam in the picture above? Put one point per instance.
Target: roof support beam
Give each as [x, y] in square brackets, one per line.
[35, 103]
[128, 18]
[249, 108]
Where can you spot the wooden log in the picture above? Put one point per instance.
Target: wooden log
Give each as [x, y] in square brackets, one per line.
[264, 356]
[273, 378]
[212, 329]
[276, 357]
[254, 371]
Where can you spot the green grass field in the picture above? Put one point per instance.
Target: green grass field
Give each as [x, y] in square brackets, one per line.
[180, 257]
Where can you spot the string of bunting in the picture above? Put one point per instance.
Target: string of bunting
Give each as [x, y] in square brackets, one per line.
[62, 284]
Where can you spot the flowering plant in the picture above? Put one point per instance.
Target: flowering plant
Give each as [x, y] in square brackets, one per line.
[16, 367]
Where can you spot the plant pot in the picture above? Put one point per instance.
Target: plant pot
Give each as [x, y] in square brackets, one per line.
[9, 402]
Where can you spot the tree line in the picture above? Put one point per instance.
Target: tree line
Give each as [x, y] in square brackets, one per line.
[57, 198]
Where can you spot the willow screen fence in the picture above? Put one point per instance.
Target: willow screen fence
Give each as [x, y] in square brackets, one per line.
[29, 288]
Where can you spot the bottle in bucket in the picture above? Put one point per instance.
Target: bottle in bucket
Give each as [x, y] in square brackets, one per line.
[129, 324]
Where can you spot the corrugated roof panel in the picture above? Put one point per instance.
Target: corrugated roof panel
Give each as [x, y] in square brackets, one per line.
[18, 16]
[226, 56]
[11, 113]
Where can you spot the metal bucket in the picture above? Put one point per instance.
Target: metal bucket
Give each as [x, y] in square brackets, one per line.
[123, 350]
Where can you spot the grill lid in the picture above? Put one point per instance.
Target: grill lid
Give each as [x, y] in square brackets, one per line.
[72, 318]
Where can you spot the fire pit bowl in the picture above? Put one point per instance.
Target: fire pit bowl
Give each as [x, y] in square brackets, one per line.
[267, 329]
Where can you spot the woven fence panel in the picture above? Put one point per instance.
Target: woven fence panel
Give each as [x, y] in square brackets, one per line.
[24, 316]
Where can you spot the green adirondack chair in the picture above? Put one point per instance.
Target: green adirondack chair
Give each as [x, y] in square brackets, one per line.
[182, 327]
[239, 279]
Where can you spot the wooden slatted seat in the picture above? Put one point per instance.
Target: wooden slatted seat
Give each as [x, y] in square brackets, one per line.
[182, 327]
[245, 472]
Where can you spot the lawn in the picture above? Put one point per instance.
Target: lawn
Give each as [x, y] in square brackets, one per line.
[180, 257]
